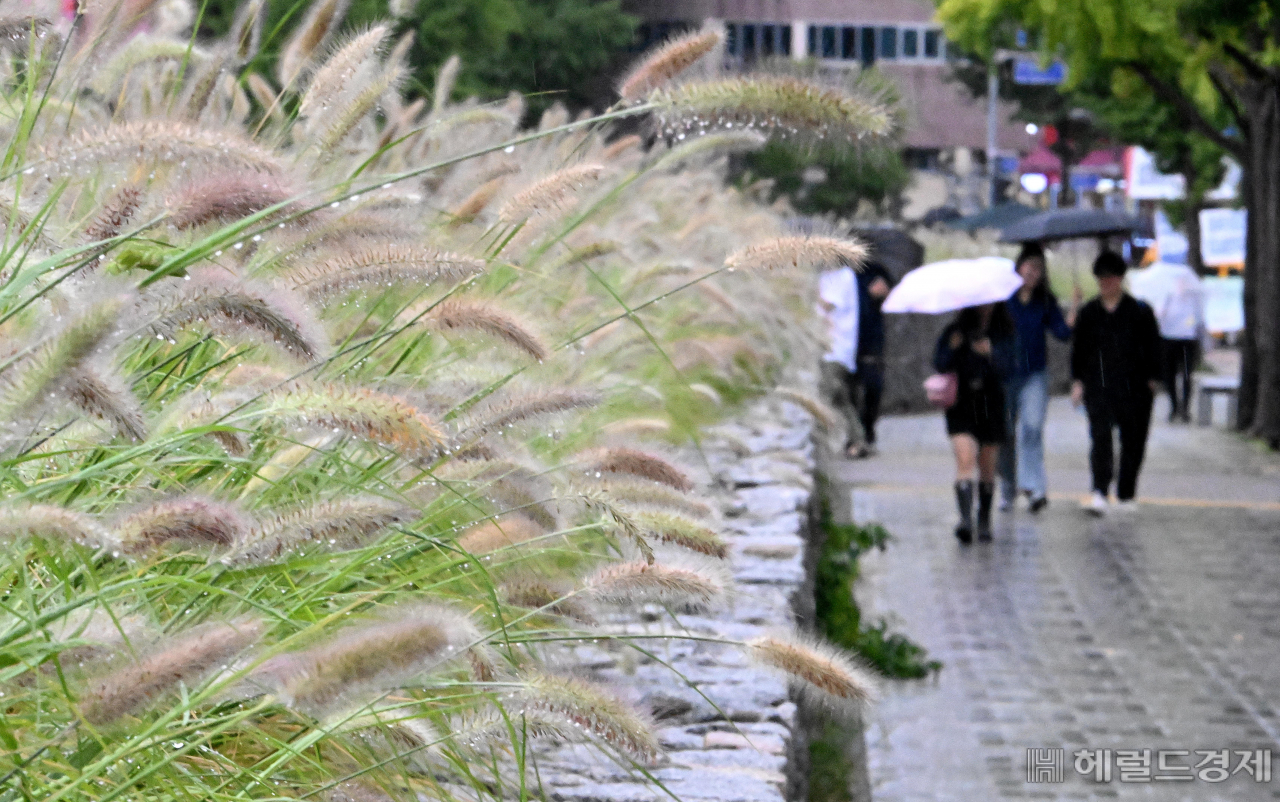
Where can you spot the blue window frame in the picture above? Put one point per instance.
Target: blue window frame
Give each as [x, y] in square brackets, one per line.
[910, 43]
[888, 43]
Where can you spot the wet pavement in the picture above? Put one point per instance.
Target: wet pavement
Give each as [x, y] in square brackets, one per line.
[1153, 631]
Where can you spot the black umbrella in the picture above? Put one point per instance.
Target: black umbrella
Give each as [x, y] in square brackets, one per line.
[1001, 216]
[1068, 224]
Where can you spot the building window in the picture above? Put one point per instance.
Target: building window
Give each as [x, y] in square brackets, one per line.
[813, 40]
[933, 44]
[829, 42]
[731, 38]
[748, 42]
[848, 43]
[867, 47]
[888, 43]
[784, 40]
[767, 33]
[910, 43]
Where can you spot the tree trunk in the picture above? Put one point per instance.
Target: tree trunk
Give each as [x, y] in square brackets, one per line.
[1260, 368]
[1194, 259]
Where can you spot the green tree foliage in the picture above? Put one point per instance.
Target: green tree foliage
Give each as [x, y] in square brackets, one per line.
[564, 50]
[874, 174]
[1214, 64]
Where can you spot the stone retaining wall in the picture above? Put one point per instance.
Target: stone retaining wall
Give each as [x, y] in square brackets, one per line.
[729, 727]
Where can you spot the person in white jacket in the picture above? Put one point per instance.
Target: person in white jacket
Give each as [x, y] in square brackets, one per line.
[1175, 294]
[838, 305]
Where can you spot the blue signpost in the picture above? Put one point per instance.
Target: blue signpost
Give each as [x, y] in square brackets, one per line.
[1028, 72]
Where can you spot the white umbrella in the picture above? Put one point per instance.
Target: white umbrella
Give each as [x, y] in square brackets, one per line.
[954, 284]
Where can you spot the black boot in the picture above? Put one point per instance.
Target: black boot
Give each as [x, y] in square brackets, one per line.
[964, 500]
[986, 491]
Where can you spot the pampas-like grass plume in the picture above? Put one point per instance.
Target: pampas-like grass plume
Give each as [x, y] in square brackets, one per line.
[312, 33]
[367, 414]
[476, 202]
[592, 709]
[508, 412]
[54, 523]
[223, 197]
[794, 107]
[640, 582]
[381, 266]
[537, 594]
[161, 141]
[815, 665]
[334, 525]
[338, 71]
[667, 63]
[368, 659]
[637, 463]
[235, 309]
[798, 251]
[346, 118]
[491, 319]
[507, 531]
[648, 495]
[105, 395]
[115, 214]
[445, 80]
[191, 520]
[550, 193]
[710, 145]
[185, 659]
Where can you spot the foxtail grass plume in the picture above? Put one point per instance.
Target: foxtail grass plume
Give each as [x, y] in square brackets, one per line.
[632, 462]
[621, 146]
[334, 525]
[541, 594]
[223, 197]
[551, 193]
[634, 583]
[169, 141]
[817, 666]
[343, 120]
[783, 105]
[476, 202]
[184, 659]
[676, 530]
[503, 532]
[54, 523]
[505, 413]
[367, 414]
[311, 35]
[193, 520]
[647, 495]
[380, 265]
[593, 710]
[822, 413]
[104, 395]
[721, 143]
[491, 319]
[446, 78]
[333, 77]
[116, 214]
[235, 309]
[368, 659]
[666, 63]
[800, 252]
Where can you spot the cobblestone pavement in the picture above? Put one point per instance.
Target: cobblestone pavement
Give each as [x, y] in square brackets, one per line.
[1154, 631]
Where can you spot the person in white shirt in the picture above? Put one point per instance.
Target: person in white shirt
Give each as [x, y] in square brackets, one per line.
[838, 305]
[1175, 294]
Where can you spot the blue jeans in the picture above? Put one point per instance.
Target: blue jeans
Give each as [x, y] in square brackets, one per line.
[1021, 463]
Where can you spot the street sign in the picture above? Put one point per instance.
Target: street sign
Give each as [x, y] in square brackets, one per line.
[1028, 72]
[1222, 236]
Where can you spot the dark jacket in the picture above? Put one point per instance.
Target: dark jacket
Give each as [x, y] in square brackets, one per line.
[1116, 353]
[1031, 320]
[975, 373]
[870, 318]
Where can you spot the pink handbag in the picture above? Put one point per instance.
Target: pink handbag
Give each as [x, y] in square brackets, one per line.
[940, 389]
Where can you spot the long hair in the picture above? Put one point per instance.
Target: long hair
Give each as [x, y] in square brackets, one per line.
[969, 321]
[1040, 293]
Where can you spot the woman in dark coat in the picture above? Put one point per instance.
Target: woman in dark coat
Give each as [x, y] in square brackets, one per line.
[978, 346]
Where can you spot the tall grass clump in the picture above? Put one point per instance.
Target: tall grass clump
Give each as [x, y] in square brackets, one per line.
[331, 416]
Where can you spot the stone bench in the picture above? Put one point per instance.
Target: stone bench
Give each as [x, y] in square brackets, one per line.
[1209, 386]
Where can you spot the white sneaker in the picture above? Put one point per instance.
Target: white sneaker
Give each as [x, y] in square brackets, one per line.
[1127, 506]
[1097, 504]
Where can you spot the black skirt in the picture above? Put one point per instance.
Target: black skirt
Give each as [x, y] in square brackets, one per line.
[978, 413]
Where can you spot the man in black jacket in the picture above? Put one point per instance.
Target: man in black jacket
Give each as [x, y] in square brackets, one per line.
[1115, 367]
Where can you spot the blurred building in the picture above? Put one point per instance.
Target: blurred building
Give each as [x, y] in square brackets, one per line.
[946, 131]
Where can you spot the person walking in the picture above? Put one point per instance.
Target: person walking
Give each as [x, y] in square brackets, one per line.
[1115, 371]
[976, 346]
[1033, 310]
[874, 284]
[838, 305]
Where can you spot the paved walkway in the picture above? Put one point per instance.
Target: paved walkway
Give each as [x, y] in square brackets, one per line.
[1157, 631]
